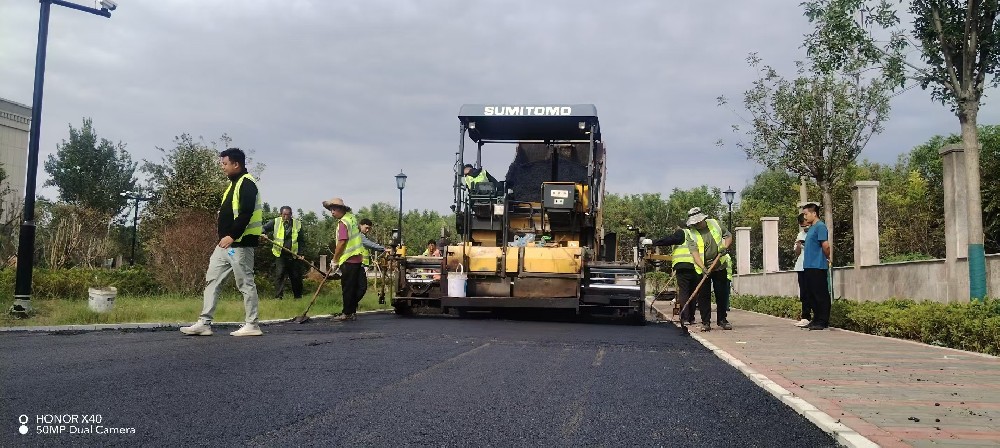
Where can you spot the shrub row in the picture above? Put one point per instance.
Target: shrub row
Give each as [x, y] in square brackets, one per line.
[968, 326]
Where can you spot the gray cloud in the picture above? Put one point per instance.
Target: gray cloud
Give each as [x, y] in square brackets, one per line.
[336, 97]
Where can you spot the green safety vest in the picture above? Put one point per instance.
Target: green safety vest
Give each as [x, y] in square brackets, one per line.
[470, 181]
[716, 230]
[279, 236]
[354, 246]
[256, 226]
[681, 252]
[366, 256]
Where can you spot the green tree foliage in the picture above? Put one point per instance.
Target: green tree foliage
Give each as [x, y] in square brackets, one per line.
[815, 125]
[9, 219]
[772, 193]
[187, 177]
[91, 172]
[959, 44]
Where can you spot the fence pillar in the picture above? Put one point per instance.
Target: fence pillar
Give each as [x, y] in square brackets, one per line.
[770, 243]
[322, 263]
[866, 242]
[956, 219]
[742, 250]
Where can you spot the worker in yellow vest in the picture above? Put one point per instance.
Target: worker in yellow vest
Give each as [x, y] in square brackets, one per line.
[682, 264]
[287, 234]
[348, 255]
[472, 176]
[240, 224]
[706, 240]
[365, 226]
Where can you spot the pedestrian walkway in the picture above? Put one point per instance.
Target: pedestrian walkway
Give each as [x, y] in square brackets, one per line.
[893, 392]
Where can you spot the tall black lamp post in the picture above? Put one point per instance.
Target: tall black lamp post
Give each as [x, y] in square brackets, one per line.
[26, 238]
[135, 218]
[400, 184]
[730, 197]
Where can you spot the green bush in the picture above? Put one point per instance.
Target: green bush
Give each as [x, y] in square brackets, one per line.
[967, 326]
[73, 283]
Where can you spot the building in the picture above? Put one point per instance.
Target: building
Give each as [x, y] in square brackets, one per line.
[15, 122]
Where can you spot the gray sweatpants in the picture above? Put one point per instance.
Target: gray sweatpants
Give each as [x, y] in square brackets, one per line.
[239, 261]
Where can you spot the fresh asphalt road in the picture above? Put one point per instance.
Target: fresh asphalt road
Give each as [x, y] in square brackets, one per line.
[389, 381]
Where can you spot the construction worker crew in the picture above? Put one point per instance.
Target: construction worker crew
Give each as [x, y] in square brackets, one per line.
[287, 234]
[348, 255]
[365, 225]
[682, 264]
[706, 241]
[472, 176]
[240, 223]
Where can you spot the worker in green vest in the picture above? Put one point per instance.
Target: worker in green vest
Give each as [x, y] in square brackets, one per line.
[472, 176]
[707, 240]
[365, 226]
[240, 224]
[348, 255]
[288, 235]
[682, 264]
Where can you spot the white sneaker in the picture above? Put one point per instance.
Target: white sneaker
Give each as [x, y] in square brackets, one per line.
[200, 328]
[802, 323]
[247, 330]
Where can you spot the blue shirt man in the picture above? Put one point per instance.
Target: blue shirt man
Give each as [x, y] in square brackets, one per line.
[813, 257]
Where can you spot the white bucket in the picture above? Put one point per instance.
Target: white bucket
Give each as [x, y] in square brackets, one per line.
[102, 300]
[456, 283]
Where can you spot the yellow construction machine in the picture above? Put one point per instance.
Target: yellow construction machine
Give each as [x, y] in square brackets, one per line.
[534, 240]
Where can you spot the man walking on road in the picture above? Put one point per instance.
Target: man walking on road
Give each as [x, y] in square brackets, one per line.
[287, 234]
[348, 256]
[710, 240]
[240, 223]
[815, 262]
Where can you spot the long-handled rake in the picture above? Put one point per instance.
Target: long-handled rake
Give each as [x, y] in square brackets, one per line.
[694, 293]
[305, 314]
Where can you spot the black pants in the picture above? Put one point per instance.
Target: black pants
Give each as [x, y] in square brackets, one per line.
[686, 281]
[286, 266]
[351, 276]
[364, 282]
[805, 297]
[819, 293]
[719, 281]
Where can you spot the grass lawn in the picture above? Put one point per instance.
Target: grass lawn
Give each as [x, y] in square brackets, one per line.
[177, 308]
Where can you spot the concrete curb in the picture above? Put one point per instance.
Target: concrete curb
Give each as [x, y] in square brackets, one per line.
[153, 325]
[844, 435]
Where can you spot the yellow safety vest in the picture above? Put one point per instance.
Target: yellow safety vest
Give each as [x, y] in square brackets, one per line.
[716, 230]
[470, 181]
[256, 226]
[681, 252]
[279, 236]
[354, 245]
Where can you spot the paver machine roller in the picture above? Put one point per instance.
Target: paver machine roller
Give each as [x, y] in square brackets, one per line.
[535, 239]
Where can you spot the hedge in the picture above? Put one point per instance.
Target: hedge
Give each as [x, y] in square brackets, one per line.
[970, 326]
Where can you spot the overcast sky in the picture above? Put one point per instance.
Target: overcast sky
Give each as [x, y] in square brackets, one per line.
[336, 97]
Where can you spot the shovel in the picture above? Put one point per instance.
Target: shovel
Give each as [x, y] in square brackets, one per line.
[694, 293]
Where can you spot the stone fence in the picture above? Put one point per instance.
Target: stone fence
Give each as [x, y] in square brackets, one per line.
[919, 280]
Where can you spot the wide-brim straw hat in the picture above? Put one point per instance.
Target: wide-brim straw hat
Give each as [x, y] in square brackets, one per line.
[335, 202]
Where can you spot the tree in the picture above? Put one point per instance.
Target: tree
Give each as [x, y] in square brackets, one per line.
[91, 173]
[959, 44]
[9, 219]
[815, 125]
[771, 193]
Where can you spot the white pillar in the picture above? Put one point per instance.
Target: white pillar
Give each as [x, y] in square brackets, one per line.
[956, 219]
[770, 240]
[322, 263]
[742, 250]
[866, 242]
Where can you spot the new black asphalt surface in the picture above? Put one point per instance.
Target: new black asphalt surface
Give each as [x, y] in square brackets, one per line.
[390, 381]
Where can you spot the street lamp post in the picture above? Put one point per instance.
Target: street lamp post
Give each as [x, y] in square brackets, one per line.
[400, 184]
[135, 219]
[730, 197]
[26, 238]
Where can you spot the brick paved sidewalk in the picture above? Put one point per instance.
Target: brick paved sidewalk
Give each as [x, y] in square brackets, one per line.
[895, 393]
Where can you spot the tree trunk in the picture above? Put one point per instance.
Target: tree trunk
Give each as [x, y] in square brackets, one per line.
[826, 188]
[967, 116]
